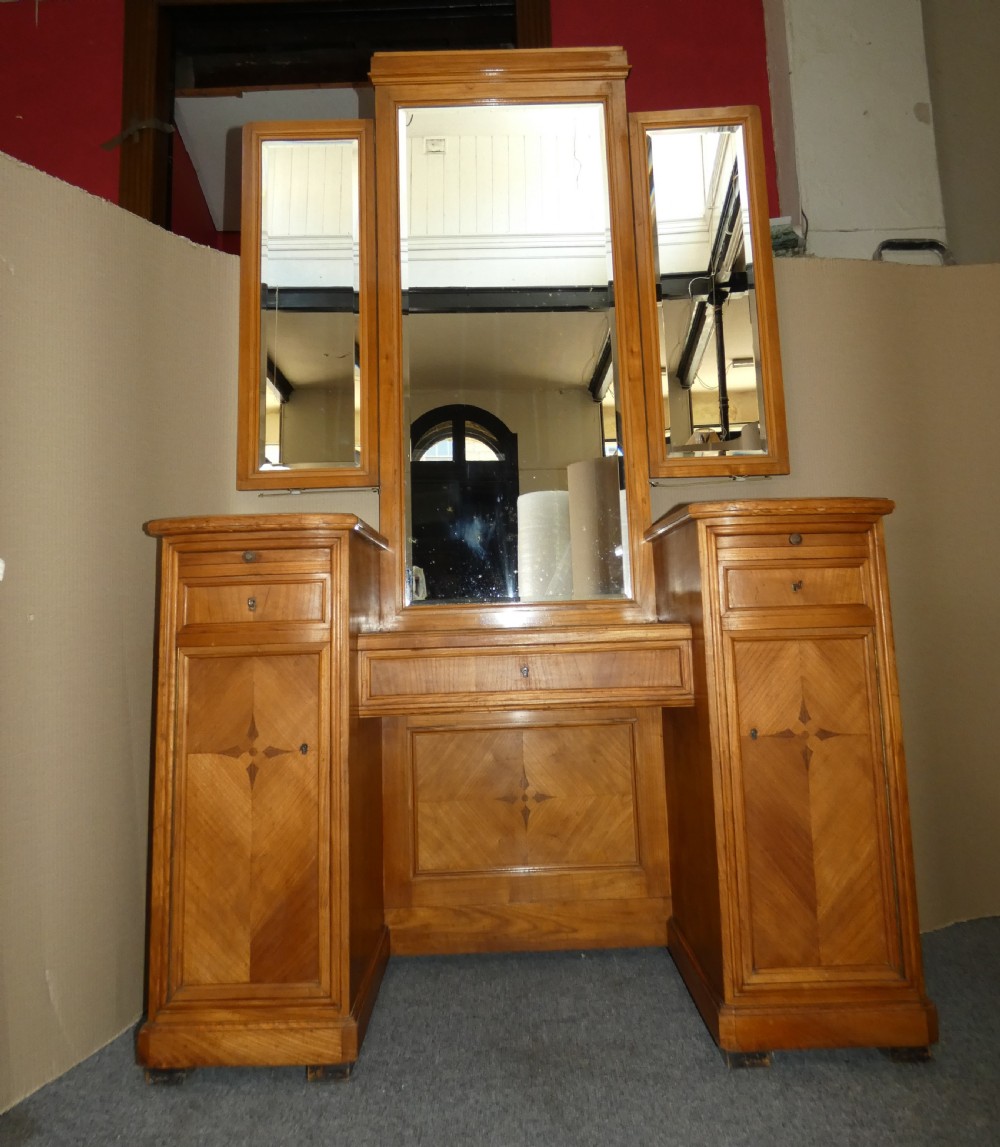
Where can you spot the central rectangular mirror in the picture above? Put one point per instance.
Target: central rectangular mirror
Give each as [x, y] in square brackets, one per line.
[515, 482]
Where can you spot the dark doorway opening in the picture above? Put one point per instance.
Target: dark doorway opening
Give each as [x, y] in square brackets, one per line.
[174, 45]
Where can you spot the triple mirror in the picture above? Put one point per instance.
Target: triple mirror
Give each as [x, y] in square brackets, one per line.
[530, 381]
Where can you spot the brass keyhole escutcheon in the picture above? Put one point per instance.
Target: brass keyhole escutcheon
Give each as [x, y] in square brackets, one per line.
[251, 603]
[753, 734]
[303, 748]
[796, 586]
[524, 671]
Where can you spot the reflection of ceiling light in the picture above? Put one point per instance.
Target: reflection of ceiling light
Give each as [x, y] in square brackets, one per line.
[742, 362]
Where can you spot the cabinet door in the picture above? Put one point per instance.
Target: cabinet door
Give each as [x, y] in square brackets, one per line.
[250, 882]
[815, 881]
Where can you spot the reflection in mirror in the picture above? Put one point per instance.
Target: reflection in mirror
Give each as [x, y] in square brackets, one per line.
[302, 409]
[309, 304]
[515, 479]
[709, 364]
[715, 400]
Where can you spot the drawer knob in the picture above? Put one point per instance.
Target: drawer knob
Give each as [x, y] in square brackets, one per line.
[251, 603]
[795, 539]
[524, 671]
[796, 586]
[249, 555]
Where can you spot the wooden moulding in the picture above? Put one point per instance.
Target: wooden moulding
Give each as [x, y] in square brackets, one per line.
[794, 909]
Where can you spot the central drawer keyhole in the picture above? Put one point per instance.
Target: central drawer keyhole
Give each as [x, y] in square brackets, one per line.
[251, 603]
[524, 671]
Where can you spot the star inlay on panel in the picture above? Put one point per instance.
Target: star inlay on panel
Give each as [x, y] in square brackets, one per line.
[250, 749]
[806, 731]
[527, 797]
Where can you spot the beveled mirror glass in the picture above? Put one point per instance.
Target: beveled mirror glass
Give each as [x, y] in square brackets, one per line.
[515, 482]
[307, 392]
[710, 343]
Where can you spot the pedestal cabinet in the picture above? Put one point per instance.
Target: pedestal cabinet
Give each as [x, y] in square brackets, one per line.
[266, 932]
[794, 921]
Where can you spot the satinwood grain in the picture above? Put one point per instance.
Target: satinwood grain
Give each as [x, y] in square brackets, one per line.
[794, 913]
[267, 935]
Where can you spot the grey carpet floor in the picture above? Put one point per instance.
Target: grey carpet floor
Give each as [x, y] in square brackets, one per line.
[572, 1049]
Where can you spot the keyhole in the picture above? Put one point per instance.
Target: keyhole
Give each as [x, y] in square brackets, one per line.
[251, 603]
[796, 586]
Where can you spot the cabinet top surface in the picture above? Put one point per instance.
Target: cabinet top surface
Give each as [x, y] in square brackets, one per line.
[818, 509]
[263, 523]
[438, 67]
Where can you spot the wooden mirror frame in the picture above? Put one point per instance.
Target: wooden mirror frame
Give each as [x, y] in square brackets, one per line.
[249, 475]
[415, 79]
[661, 464]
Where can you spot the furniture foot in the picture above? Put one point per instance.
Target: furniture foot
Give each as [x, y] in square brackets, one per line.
[329, 1072]
[907, 1054]
[165, 1076]
[741, 1059]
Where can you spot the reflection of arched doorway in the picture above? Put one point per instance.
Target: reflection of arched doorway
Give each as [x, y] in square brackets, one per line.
[463, 489]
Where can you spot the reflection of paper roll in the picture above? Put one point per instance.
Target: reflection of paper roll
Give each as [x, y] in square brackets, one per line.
[595, 527]
[626, 556]
[543, 549]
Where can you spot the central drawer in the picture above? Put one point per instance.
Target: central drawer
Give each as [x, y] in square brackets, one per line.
[410, 681]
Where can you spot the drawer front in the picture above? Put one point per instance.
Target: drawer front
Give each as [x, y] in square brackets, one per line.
[253, 561]
[794, 544]
[404, 681]
[306, 601]
[794, 585]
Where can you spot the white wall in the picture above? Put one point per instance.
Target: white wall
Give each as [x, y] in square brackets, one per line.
[854, 131]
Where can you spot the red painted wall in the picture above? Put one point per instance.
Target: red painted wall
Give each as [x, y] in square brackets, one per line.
[60, 74]
[683, 54]
[60, 88]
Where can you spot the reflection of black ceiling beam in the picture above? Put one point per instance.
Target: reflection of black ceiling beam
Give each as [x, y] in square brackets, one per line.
[711, 288]
[686, 285]
[342, 299]
[495, 300]
[728, 242]
[699, 332]
[281, 384]
[600, 380]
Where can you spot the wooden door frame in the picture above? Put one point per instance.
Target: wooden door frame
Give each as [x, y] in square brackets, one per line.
[148, 92]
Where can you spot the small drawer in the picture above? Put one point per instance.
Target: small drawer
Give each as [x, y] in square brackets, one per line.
[797, 586]
[757, 545]
[407, 681]
[306, 601]
[252, 561]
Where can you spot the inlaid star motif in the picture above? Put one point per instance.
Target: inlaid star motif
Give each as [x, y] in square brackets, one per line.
[250, 750]
[526, 797]
[807, 732]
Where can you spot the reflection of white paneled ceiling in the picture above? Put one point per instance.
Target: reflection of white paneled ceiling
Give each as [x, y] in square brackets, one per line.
[483, 350]
[210, 127]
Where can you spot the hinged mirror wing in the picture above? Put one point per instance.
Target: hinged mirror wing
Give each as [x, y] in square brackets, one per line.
[711, 360]
[307, 400]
